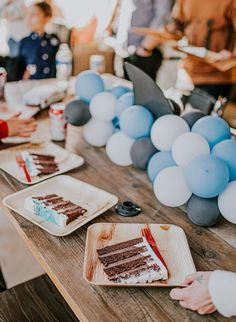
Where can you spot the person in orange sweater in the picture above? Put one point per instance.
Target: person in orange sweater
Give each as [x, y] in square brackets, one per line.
[17, 127]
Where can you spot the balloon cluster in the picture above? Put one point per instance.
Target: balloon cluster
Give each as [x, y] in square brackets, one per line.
[190, 159]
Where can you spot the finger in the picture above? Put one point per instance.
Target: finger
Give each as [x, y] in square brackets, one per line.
[24, 135]
[178, 294]
[16, 115]
[189, 279]
[184, 304]
[207, 309]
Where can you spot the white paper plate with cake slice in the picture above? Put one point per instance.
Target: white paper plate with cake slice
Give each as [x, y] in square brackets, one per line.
[87, 197]
[118, 255]
[65, 160]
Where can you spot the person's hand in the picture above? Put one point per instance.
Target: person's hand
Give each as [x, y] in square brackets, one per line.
[140, 51]
[21, 127]
[225, 54]
[195, 296]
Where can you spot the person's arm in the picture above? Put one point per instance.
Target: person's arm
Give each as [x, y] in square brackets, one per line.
[222, 288]
[3, 129]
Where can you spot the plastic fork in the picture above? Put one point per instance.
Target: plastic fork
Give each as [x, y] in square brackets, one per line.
[21, 163]
[146, 232]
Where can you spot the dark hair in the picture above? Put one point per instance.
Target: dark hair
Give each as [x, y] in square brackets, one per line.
[45, 7]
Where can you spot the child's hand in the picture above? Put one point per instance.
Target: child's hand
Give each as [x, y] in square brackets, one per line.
[196, 295]
[21, 127]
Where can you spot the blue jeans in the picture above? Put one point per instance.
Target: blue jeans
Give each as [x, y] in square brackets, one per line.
[14, 47]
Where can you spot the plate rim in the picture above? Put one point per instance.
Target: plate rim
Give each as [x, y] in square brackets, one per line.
[80, 162]
[65, 233]
[134, 285]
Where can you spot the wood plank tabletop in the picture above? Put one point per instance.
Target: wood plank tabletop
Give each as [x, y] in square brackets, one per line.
[62, 258]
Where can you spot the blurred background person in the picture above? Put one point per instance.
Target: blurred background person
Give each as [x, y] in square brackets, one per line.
[14, 12]
[142, 50]
[38, 50]
[212, 25]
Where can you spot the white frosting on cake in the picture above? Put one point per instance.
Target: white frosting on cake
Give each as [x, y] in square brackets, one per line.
[31, 167]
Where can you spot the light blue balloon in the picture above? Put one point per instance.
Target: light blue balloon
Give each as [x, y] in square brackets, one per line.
[115, 122]
[226, 150]
[136, 122]
[214, 129]
[207, 176]
[124, 102]
[158, 162]
[88, 84]
[120, 90]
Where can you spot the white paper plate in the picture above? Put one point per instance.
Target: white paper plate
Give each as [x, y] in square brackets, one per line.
[66, 160]
[93, 199]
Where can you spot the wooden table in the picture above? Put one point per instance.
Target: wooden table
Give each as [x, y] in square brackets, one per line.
[62, 258]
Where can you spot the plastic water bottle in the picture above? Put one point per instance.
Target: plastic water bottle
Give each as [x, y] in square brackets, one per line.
[63, 65]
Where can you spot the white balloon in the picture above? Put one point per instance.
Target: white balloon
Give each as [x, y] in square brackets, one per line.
[97, 132]
[188, 146]
[103, 106]
[170, 187]
[227, 202]
[118, 149]
[166, 129]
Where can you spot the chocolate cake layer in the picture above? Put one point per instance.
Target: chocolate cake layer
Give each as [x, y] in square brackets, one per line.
[42, 156]
[47, 197]
[109, 249]
[127, 266]
[106, 260]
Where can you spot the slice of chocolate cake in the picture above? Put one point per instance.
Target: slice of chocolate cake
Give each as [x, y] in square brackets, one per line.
[54, 209]
[132, 262]
[39, 164]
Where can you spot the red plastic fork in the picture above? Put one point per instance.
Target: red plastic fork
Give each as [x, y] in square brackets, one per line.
[146, 232]
[21, 163]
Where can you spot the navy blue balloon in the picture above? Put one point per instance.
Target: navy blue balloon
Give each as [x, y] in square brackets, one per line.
[203, 212]
[136, 122]
[120, 90]
[158, 162]
[192, 117]
[207, 176]
[88, 84]
[226, 150]
[214, 129]
[124, 102]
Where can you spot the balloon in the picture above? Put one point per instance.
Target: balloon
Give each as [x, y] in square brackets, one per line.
[203, 212]
[120, 90]
[118, 149]
[192, 117]
[170, 187]
[226, 150]
[88, 84]
[188, 146]
[141, 152]
[226, 202]
[166, 129]
[124, 102]
[98, 132]
[136, 122]
[207, 176]
[102, 106]
[77, 113]
[158, 162]
[213, 128]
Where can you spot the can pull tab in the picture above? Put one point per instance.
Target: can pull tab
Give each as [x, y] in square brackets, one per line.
[127, 209]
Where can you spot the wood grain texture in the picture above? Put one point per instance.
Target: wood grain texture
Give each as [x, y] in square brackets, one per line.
[62, 258]
[171, 241]
[35, 301]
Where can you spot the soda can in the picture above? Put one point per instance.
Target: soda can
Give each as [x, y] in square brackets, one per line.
[97, 63]
[3, 79]
[57, 122]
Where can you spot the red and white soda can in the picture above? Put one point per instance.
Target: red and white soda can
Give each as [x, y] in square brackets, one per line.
[57, 122]
[3, 79]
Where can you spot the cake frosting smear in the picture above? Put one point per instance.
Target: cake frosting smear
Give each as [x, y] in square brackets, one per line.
[132, 262]
[39, 164]
[54, 209]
